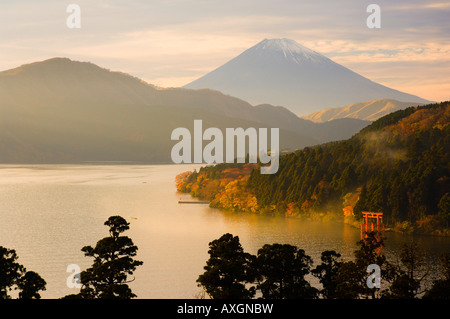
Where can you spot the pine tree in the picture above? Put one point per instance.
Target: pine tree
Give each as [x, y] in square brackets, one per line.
[113, 263]
[14, 276]
[227, 270]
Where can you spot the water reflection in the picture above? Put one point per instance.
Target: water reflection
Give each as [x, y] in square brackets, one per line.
[49, 212]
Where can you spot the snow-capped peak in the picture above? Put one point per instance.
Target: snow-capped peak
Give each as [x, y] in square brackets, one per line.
[283, 72]
[290, 49]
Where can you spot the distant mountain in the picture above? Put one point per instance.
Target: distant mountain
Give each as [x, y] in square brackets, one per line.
[368, 111]
[283, 72]
[59, 111]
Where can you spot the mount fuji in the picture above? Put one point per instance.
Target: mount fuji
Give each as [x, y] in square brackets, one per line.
[283, 72]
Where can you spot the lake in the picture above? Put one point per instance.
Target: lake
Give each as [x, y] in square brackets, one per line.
[49, 212]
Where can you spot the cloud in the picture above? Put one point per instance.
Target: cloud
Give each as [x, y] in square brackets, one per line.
[418, 6]
[170, 43]
[438, 5]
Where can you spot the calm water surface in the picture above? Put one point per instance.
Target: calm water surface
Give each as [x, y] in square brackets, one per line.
[49, 212]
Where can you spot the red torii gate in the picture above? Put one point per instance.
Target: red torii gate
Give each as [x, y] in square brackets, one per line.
[372, 215]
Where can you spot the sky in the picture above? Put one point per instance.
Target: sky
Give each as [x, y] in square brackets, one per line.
[170, 43]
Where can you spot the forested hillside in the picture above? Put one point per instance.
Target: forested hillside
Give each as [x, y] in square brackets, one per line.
[399, 165]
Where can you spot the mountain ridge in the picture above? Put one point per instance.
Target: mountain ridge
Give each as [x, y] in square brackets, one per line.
[368, 111]
[59, 110]
[283, 72]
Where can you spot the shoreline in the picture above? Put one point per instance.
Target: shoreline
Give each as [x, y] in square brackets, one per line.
[324, 217]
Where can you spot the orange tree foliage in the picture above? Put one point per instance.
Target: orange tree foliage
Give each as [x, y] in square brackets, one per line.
[421, 120]
[180, 180]
[224, 185]
[234, 196]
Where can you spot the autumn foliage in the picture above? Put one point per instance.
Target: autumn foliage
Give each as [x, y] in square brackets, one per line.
[398, 165]
[224, 185]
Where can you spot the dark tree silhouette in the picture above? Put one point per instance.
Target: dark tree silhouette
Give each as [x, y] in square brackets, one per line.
[13, 276]
[281, 270]
[409, 275]
[349, 280]
[352, 275]
[113, 263]
[441, 287]
[327, 272]
[228, 270]
[30, 284]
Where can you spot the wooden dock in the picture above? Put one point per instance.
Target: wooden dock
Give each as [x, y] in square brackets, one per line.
[192, 202]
